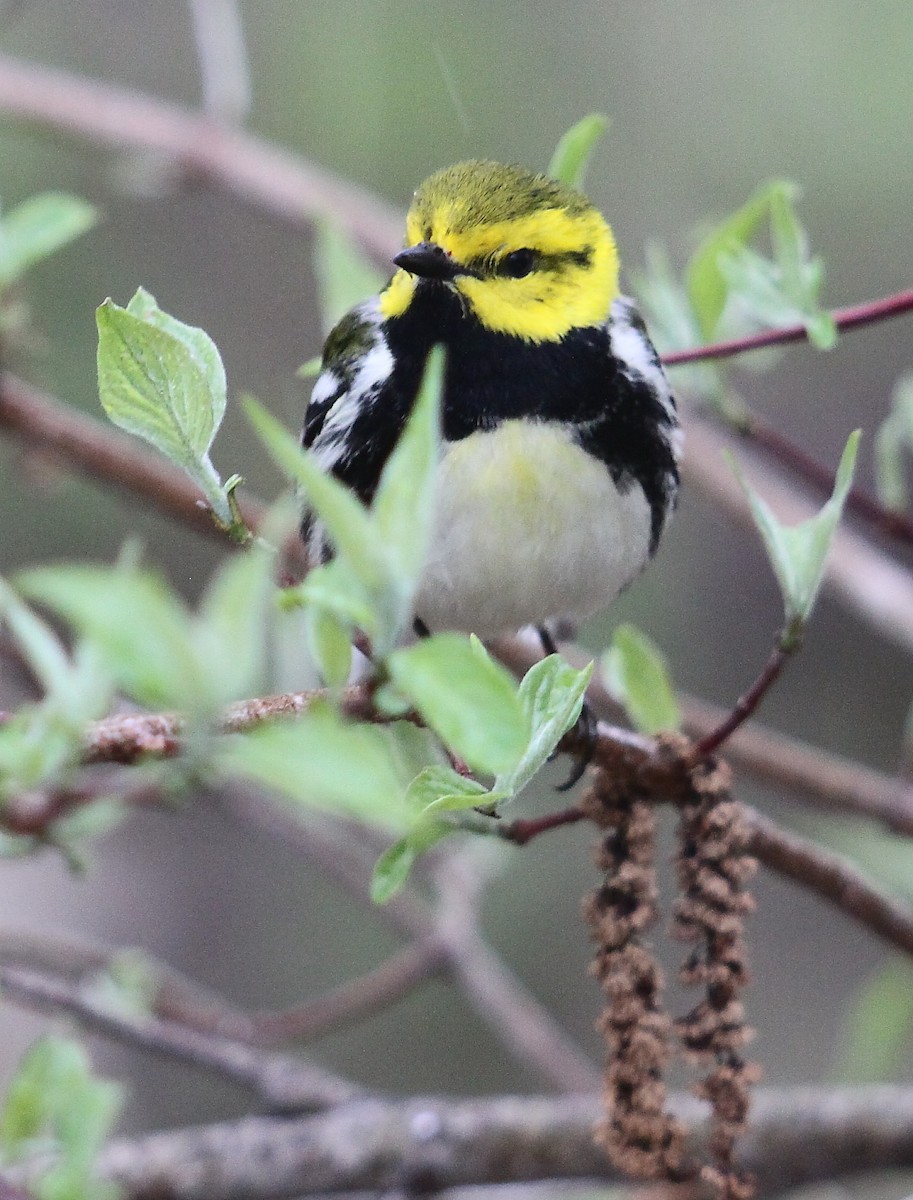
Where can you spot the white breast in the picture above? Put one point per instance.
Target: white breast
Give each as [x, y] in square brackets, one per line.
[529, 527]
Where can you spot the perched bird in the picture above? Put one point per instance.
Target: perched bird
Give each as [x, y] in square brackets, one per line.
[558, 469]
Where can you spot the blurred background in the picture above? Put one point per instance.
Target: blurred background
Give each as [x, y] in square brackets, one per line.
[707, 101]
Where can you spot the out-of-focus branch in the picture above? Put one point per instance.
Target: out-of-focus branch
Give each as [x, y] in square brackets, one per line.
[832, 877]
[344, 854]
[281, 1083]
[377, 989]
[375, 1145]
[120, 119]
[99, 451]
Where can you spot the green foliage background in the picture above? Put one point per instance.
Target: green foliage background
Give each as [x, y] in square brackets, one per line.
[708, 100]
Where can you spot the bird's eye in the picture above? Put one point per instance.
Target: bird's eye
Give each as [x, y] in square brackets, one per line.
[517, 264]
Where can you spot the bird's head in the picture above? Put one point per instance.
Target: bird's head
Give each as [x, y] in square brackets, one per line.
[529, 256]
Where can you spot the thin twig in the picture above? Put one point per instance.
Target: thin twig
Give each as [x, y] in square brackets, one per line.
[376, 990]
[854, 317]
[745, 706]
[347, 854]
[100, 451]
[281, 1083]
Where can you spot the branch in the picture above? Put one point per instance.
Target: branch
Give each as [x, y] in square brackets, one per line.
[255, 170]
[99, 451]
[745, 706]
[833, 878]
[354, 1000]
[281, 1083]
[826, 781]
[430, 1144]
[854, 317]
[346, 853]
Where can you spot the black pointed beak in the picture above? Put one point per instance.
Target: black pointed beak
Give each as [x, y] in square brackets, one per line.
[428, 261]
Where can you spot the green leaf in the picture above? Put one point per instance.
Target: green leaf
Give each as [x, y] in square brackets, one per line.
[572, 154]
[705, 280]
[40, 646]
[635, 673]
[142, 629]
[440, 787]
[346, 518]
[164, 382]
[798, 554]
[345, 274]
[37, 228]
[878, 1026]
[231, 628]
[894, 437]
[403, 508]
[200, 347]
[551, 695]
[56, 1108]
[673, 325]
[469, 701]
[330, 645]
[391, 871]
[321, 762]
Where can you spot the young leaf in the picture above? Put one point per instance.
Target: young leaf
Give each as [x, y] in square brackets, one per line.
[470, 702]
[163, 381]
[321, 762]
[551, 695]
[440, 787]
[877, 1026]
[706, 282]
[57, 1108]
[572, 154]
[330, 644]
[346, 518]
[37, 228]
[140, 626]
[895, 435]
[345, 274]
[798, 553]
[635, 673]
[391, 870]
[403, 508]
[231, 626]
[40, 646]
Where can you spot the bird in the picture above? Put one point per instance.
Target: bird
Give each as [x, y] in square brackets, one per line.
[558, 469]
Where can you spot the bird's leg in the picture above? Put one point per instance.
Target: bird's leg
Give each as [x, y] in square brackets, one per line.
[586, 722]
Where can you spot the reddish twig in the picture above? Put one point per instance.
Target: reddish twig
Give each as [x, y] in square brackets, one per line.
[744, 706]
[524, 830]
[853, 317]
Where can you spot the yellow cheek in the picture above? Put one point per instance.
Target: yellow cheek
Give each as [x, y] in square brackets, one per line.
[397, 295]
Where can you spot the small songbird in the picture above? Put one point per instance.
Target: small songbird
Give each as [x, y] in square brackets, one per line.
[558, 470]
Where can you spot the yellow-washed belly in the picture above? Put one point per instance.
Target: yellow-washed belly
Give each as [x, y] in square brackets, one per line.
[529, 527]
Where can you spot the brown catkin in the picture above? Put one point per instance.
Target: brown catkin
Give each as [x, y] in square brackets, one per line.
[714, 868]
[640, 1136]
